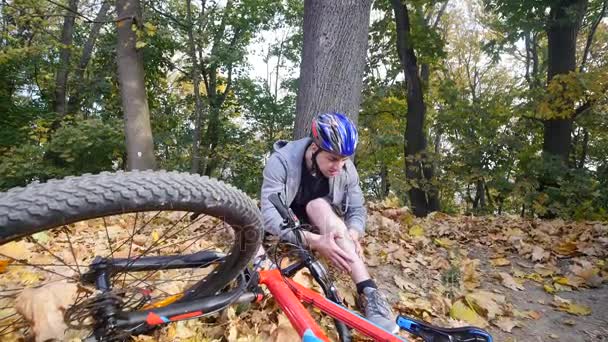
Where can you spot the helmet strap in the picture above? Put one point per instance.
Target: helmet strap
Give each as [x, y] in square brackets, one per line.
[315, 167]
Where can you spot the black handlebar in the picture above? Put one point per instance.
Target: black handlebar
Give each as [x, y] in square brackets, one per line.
[280, 206]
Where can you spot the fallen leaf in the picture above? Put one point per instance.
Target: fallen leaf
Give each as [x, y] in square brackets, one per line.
[545, 270]
[461, 311]
[549, 289]
[589, 274]
[284, 330]
[575, 309]
[404, 284]
[416, 231]
[539, 254]
[534, 314]
[471, 277]
[506, 324]
[500, 262]
[445, 243]
[155, 235]
[566, 248]
[15, 250]
[509, 282]
[4, 265]
[44, 306]
[554, 336]
[485, 303]
[535, 277]
[569, 322]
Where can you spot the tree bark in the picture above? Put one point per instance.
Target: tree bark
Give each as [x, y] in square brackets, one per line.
[414, 138]
[564, 22]
[74, 101]
[198, 105]
[140, 145]
[61, 79]
[333, 60]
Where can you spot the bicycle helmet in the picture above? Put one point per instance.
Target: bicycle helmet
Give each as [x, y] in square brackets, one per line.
[335, 133]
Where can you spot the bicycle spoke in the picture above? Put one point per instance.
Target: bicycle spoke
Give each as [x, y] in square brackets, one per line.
[55, 256]
[72, 250]
[130, 246]
[105, 226]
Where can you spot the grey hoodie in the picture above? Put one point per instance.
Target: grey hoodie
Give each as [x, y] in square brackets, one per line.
[283, 173]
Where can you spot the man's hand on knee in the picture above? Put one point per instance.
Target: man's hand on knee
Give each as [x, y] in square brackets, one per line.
[326, 245]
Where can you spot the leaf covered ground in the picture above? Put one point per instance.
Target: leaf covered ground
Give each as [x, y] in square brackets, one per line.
[523, 280]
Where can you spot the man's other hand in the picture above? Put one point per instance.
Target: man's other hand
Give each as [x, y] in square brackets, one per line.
[326, 245]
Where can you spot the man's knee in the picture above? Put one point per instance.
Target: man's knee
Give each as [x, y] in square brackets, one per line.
[318, 207]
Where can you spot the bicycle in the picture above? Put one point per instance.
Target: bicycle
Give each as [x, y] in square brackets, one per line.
[123, 291]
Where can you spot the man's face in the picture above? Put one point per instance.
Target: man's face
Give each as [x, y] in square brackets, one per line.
[329, 164]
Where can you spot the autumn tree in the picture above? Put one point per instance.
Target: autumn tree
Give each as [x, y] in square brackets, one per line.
[140, 147]
[333, 60]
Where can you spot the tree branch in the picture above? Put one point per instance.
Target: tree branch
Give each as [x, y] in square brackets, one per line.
[596, 23]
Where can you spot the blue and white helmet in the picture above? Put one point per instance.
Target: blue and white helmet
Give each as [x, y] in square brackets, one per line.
[335, 133]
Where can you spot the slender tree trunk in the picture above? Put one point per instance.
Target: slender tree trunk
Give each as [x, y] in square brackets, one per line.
[562, 29]
[385, 186]
[216, 99]
[198, 105]
[140, 145]
[61, 79]
[414, 138]
[74, 101]
[333, 60]
[581, 162]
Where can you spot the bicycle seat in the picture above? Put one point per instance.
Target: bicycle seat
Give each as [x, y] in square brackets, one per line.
[431, 333]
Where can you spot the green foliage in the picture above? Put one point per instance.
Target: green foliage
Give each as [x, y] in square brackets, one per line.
[84, 146]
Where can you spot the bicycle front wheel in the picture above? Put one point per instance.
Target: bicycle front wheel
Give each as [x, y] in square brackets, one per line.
[50, 233]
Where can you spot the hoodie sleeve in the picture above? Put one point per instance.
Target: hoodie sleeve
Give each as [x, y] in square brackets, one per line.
[275, 177]
[356, 214]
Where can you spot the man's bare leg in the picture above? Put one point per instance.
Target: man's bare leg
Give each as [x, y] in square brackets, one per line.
[321, 215]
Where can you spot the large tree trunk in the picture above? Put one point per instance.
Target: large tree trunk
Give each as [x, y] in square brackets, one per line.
[87, 52]
[140, 146]
[333, 60]
[562, 28]
[61, 79]
[198, 104]
[414, 138]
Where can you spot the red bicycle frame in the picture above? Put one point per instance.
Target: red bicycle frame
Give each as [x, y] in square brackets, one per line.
[290, 295]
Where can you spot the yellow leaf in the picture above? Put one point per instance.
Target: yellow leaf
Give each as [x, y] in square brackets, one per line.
[500, 262]
[15, 249]
[485, 303]
[462, 312]
[445, 243]
[155, 235]
[416, 231]
[575, 309]
[140, 44]
[535, 277]
[549, 289]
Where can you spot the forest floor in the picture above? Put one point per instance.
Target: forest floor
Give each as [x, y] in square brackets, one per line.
[522, 280]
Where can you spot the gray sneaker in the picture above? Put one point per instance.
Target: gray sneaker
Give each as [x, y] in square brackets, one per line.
[373, 302]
